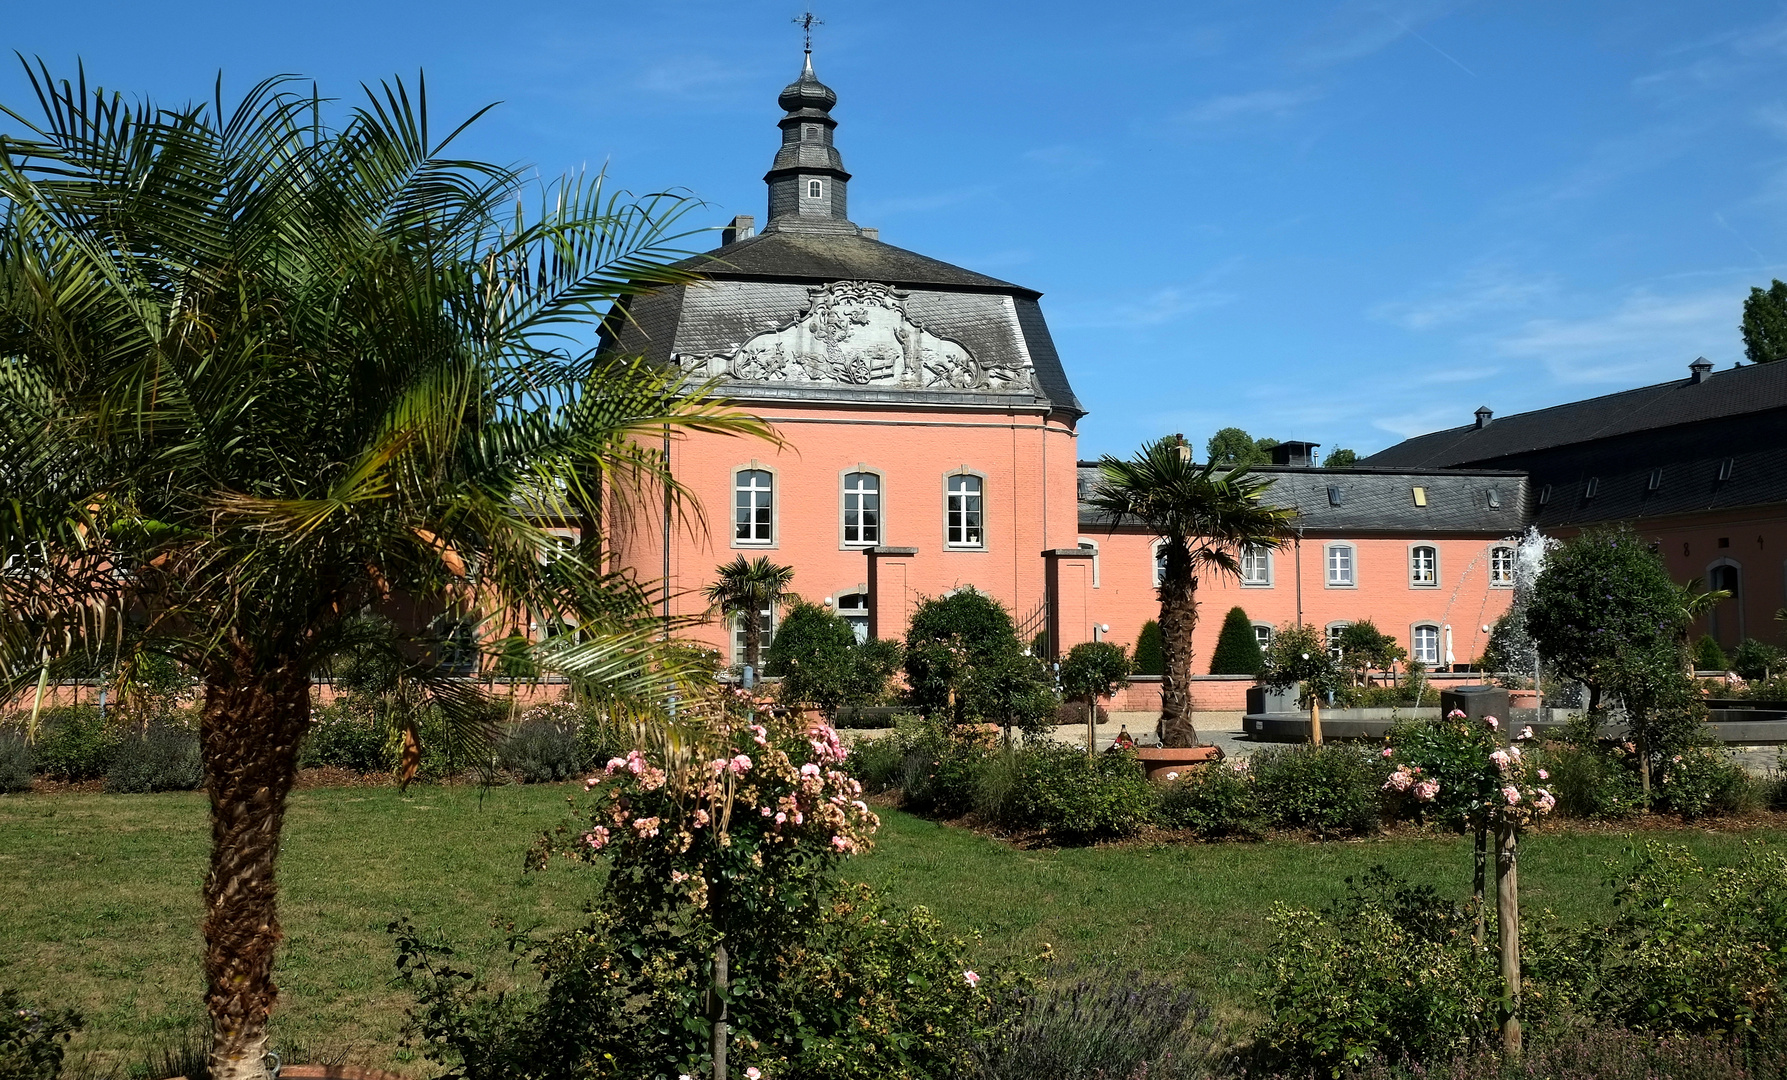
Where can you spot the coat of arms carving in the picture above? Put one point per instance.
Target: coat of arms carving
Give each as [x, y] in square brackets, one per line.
[858, 333]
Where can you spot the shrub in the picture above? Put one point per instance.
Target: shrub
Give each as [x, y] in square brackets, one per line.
[74, 743]
[1330, 790]
[965, 644]
[1149, 659]
[346, 734]
[1708, 656]
[1604, 1054]
[1363, 648]
[880, 764]
[543, 751]
[1755, 660]
[820, 662]
[17, 762]
[1106, 1023]
[1704, 782]
[1237, 649]
[32, 1042]
[1389, 971]
[1593, 778]
[1074, 798]
[164, 758]
[1687, 951]
[1094, 669]
[940, 774]
[1216, 800]
[1452, 753]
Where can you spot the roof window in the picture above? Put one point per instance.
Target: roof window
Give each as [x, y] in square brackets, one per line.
[1656, 479]
[1420, 494]
[1726, 468]
[1544, 494]
[1593, 488]
[1494, 498]
[1336, 495]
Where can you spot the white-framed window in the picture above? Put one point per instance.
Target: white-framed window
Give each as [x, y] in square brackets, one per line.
[1159, 558]
[765, 619]
[853, 607]
[1425, 640]
[1332, 636]
[1342, 568]
[862, 508]
[1262, 632]
[962, 525]
[815, 189]
[1092, 546]
[1501, 567]
[1424, 565]
[562, 542]
[1256, 566]
[753, 508]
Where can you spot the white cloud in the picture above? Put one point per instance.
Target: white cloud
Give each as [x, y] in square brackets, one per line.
[1226, 108]
[1482, 290]
[1646, 334]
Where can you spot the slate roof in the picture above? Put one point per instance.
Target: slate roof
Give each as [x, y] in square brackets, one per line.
[1754, 388]
[822, 257]
[1378, 501]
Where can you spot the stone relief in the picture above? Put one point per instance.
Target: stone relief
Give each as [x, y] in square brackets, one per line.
[858, 333]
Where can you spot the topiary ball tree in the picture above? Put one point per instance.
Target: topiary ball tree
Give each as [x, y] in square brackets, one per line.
[949, 638]
[1708, 656]
[1237, 647]
[1091, 670]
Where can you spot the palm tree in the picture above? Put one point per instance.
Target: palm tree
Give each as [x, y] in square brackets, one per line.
[260, 374]
[1205, 519]
[745, 590]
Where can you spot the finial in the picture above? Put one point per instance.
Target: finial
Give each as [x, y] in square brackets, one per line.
[806, 23]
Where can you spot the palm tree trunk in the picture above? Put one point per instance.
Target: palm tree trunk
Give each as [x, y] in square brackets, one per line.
[250, 727]
[1178, 619]
[753, 640]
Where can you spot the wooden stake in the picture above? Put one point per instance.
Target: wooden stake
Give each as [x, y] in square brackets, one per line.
[1507, 911]
[717, 1011]
[1315, 719]
[1481, 860]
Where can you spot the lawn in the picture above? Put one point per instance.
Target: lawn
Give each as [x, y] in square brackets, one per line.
[99, 899]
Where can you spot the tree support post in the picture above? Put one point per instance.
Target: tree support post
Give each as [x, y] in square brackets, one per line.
[1315, 717]
[1507, 910]
[717, 1013]
[1480, 855]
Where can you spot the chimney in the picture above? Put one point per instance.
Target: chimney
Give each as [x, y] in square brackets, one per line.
[871, 234]
[1484, 415]
[1294, 453]
[1699, 370]
[743, 227]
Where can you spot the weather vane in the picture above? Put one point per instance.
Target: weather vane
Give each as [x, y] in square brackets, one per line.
[806, 23]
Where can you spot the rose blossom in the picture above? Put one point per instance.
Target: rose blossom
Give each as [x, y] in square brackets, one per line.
[1494, 724]
[1525, 732]
[753, 1073]
[1426, 790]
[597, 837]
[1500, 757]
[1543, 775]
[1545, 801]
[973, 979]
[1389, 752]
[739, 764]
[1511, 794]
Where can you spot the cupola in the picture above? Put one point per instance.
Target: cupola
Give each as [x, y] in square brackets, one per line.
[808, 187]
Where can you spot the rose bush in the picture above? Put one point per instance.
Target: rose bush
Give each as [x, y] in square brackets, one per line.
[719, 835]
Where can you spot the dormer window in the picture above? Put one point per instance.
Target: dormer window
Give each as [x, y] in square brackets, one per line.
[810, 132]
[815, 189]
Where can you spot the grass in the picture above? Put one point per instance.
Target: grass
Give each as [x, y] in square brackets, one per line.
[99, 900]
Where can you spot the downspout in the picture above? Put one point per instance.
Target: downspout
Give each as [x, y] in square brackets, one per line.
[1299, 554]
[667, 491]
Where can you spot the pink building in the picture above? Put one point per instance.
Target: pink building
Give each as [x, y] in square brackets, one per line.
[930, 445]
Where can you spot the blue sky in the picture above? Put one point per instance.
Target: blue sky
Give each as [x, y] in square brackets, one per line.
[1340, 222]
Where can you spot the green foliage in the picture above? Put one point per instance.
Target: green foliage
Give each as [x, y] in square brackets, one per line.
[1215, 801]
[744, 589]
[1363, 648]
[820, 662]
[1298, 656]
[1340, 458]
[1765, 323]
[1331, 790]
[1389, 971]
[32, 1043]
[17, 762]
[74, 743]
[164, 758]
[1232, 446]
[1074, 798]
[1594, 778]
[880, 764]
[1688, 950]
[347, 733]
[1148, 658]
[1094, 669]
[1703, 781]
[965, 646]
[1708, 656]
[514, 660]
[1604, 611]
[1237, 649]
[1756, 660]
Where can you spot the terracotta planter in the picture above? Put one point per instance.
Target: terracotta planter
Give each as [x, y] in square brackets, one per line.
[1158, 761]
[1523, 699]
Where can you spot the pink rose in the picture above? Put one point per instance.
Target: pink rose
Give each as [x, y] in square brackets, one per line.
[971, 977]
[740, 764]
[1494, 724]
[1525, 732]
[1389, 752]
[1426, 790]
[1500, 757]
[1511, 794]
[1543, 775]
[597, 837]
[753, 1073]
